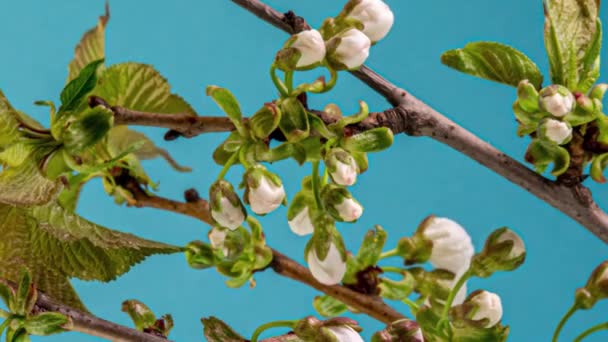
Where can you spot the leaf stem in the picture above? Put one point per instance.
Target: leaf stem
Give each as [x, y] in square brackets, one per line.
[563, 321]
[316, 187]
[599, 327]
[452, 295]
[228, 165]
[264, 327]
[277, 81]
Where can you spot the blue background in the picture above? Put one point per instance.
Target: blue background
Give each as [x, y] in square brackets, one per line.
[198, 43]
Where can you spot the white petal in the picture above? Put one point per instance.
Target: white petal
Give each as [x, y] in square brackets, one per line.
[344, 333]
[452, 246]
[557, 131]
[376, 17]
[344, 174]
[301, 224]
[329, 271]
[353, 49]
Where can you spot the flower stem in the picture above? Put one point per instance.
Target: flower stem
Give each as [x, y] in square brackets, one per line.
[289, 82]
[228, 165]
[388, 254]
[414, 307]
[316, 187]
[563, 321]
[264, 327]
[599, 327]
[277, 82]
[332, 80]
[452, 295]
[392, 269]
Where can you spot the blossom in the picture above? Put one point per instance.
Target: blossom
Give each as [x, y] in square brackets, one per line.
[311, 47]
[557, 131]
[486, 306]
[344, 333]
[349, 210]
[342, 167]
[301, 224]
[452, 248]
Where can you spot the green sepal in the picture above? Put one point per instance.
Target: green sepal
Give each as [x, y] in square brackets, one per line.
[374, 140]
[312, 147]
[371, 248]
[75, 92]
[541, 153]
[428, 320]
[17, 335]
[317, 125]
[495, 62]
[598, 91]
[598, 165]
[527, 96]
[323, 236]
[228, 103]
[54, 165]
[46, 323]
[294, 120]
[468, 333]
[265, 120]
[397, 289]
[361, 160]
[140, 314]
[527, 118]
[352, 119]
[199, 255]
[328, 306]
[226, 149]
[586, 110]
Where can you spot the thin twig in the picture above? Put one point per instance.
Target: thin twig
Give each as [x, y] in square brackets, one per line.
[281, 264]
[419, 119]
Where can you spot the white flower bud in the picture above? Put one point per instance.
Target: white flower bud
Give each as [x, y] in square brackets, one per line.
[342, 167]
[557, 100]
[226, 207]
[311, 46]
[452, 247]
[349, 210]
[376, 17]
[349, 50]
[266, 197]
[488, 306]
[557, 131]
[329, 271]
[264, 190]
[518, 248]
[344, 333]
[301, 223]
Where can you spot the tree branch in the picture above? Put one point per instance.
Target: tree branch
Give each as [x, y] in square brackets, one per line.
[91, 325]
[281, 264]
[416, 118]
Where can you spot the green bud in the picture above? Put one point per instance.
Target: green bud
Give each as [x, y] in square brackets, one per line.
[140, 314]
[226, 207]
[504, 251]
[403, 330]
[596, 288]
[328, 306]
[373, 140]
[46, 323]
[598, 91]
[87, 129]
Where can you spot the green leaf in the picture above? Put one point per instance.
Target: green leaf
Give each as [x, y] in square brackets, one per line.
[542, 153]
[121, 139]
[23, 304]
[228, 103]
[494, 62]
[571, 40]
[371, 248]
[216, 330]
[9, 123]
[46, 323]
[55, 245]
[294, 120]
[328, 306]
[591, 62]
[90, 48]
[25, 185]
[139, 87]
[140, 314]
[74, 93]
[374, 140]
[6, 294]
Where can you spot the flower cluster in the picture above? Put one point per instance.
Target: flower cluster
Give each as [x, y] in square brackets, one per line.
[556, 118]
